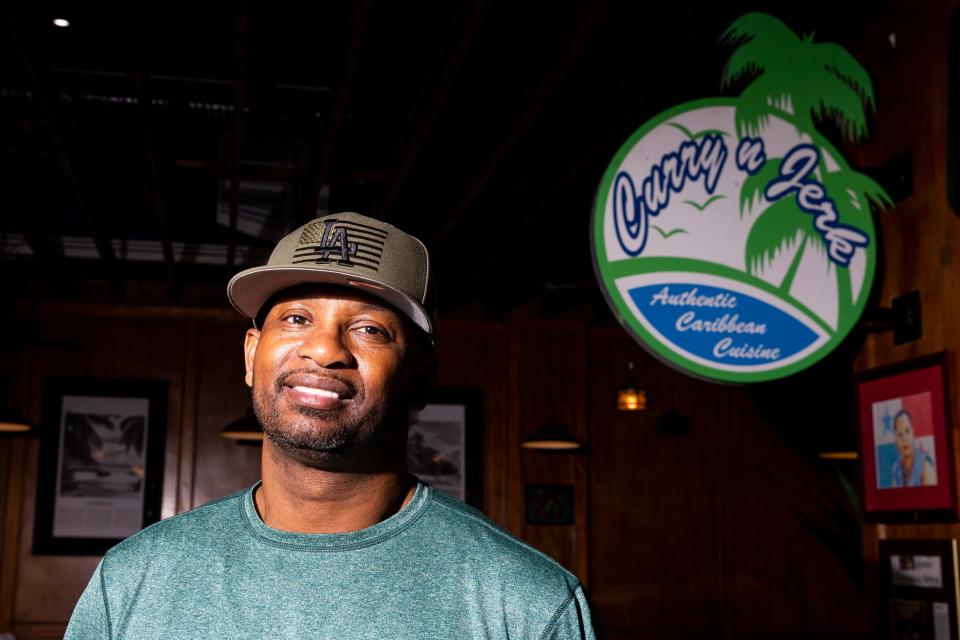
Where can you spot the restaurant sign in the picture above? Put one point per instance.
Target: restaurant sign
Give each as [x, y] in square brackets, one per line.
[730, 238]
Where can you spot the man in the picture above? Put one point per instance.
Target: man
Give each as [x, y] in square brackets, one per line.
[337, 540]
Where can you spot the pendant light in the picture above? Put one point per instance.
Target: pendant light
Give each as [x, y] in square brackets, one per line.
[552, 437]
[245, 430]
[631, 397]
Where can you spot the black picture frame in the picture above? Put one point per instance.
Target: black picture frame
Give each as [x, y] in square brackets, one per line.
[445, 449]
[100, 471]
[548, 504]
[918, 583]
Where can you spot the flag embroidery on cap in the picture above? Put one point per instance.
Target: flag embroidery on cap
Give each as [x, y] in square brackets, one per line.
[346, 243]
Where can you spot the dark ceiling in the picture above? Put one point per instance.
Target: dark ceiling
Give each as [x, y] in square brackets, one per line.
[148, 156]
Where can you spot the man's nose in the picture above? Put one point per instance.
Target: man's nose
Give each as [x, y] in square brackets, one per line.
[326, 347]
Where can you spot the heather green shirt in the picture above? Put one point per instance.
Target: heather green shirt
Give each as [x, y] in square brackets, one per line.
[436, 569]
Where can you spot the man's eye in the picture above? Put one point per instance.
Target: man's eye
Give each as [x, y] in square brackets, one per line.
[295, 318]
[370, 330]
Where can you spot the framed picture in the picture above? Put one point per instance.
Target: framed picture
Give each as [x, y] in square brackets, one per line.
[100, 476]
[445, 444]
[905, 439]
[548, 503]
[918, 580]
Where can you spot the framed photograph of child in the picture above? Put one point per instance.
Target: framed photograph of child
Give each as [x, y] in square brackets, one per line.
[905, 438]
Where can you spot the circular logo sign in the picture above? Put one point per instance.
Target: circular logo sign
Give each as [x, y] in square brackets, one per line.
[734, 253]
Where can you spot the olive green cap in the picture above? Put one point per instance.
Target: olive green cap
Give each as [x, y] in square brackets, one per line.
[350, 250]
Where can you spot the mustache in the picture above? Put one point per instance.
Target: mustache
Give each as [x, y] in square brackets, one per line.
[282, 379]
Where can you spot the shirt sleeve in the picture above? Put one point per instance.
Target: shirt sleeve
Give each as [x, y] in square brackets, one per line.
[90, 620]
[572, 621]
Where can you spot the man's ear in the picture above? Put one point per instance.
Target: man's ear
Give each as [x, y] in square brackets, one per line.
[249, 350]
[424, 377]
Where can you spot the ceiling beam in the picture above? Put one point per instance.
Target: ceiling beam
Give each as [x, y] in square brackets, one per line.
[155, 183]
[321, 176]
[213, 169]
[587, 25]
[91, 218]
[238, 131]
[460, 37]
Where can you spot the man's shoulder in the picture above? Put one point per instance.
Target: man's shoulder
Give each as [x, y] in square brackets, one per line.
[482, 543]
[183, 532]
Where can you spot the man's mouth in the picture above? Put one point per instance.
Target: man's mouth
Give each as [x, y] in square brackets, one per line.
[321, 392]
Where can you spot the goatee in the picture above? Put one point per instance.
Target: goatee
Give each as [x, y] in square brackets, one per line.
[326, 435]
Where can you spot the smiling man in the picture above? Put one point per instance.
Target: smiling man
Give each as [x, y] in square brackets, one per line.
[337, 540]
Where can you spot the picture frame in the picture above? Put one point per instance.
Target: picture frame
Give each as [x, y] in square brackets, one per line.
[100, 471]
[548, 504]
[918, 583]
[905, 441]
[445, 444]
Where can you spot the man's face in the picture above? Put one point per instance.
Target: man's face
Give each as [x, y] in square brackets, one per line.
[334, 376]
[904, 430]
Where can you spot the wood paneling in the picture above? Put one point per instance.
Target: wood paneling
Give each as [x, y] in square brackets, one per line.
[222, 398]
[11, 468]
[705, 533]
[472, 354]
[547, 379]
[48, 586]
[655, 560]
[920, 236]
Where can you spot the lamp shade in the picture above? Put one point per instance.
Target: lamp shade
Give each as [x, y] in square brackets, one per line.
[245, 429]
[13, 423]
[848, 456]
[552, 438]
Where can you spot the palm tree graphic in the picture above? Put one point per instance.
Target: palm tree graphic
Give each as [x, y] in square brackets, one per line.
[794, 78]
[799, 81]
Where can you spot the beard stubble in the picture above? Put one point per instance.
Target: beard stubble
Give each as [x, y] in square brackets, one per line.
[328, 435]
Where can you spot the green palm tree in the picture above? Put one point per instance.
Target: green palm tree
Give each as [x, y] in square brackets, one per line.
[794, 78]
[799, 81]
[783, 224]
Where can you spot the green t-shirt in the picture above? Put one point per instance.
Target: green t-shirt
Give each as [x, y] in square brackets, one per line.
[436, 569]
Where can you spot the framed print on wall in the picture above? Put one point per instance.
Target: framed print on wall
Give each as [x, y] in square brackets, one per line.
[905, 439]
[100, 476]
[445, 444]
[918, 580]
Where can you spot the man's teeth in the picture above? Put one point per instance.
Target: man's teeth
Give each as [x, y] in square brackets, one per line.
[322, 393]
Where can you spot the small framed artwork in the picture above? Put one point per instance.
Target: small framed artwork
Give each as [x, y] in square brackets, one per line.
[548, 503]
[905, 440]
[100, 476]
[918, 580]
[445, 444]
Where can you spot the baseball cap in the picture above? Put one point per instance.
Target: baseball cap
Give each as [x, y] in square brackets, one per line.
[347, 249]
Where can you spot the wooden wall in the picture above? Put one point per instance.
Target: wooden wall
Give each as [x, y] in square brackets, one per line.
[687, 535]
[921, 236]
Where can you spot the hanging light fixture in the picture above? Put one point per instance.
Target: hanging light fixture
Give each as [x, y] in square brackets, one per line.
[552, 438]
[14, 424]
[849, 456]
[12, 421]
[631, 397]
[247, 429]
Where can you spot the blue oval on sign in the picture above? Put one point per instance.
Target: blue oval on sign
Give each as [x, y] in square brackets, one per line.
[720, 325]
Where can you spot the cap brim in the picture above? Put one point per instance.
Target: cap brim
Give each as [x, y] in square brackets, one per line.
[250, 289]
